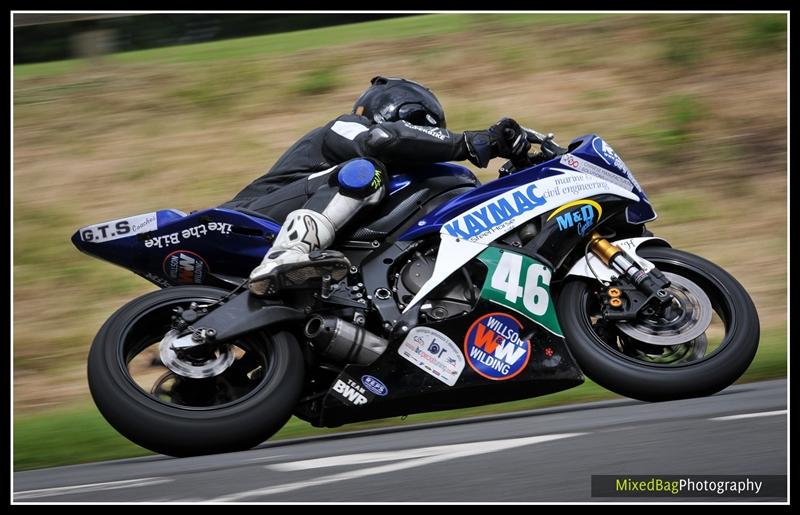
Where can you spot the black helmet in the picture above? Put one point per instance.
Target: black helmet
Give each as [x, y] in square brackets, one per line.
[390, 99]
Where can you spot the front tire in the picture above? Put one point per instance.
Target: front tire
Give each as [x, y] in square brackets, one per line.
[657, 373]
[170, 414]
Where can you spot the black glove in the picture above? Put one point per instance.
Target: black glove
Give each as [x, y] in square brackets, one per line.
[515, 142]
[503, 139]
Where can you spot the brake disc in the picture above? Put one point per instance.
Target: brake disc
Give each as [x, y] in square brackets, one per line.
[195, 369]
[685, 319]
[668, 355]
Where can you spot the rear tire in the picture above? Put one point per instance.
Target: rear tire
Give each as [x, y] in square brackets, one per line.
[188, 429]
[608, 366]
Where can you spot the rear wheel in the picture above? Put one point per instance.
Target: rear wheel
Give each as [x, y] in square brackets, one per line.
[258, 381]
[705, 344]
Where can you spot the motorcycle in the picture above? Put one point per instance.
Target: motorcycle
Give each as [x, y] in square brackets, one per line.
[458, 294]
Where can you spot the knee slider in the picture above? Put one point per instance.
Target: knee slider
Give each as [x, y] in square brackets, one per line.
[361, 178]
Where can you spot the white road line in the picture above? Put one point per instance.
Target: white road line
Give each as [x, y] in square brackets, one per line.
[421, 457]
[264, 458]
[90, 487]
[751, 415]
[355, 459]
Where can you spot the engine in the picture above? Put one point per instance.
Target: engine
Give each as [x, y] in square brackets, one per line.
[455, 296]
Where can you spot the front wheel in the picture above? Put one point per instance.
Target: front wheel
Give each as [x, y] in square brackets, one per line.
[649, 359]
[256, 383]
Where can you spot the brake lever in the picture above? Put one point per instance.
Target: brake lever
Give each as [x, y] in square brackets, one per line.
[533, 136]
[550, 148]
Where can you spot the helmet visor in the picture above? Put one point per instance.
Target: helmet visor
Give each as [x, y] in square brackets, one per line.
[417, 115]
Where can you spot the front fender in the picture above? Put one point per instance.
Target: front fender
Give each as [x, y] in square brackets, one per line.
[604, 273]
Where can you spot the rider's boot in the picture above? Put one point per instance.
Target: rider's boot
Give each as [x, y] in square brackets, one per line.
[298, 255]
[300, 251]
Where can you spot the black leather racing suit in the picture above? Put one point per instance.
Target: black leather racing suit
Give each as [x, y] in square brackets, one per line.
[291, 182]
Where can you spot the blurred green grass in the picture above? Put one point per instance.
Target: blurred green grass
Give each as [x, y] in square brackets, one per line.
[290, 42]
[187, 126]
[318, 80]
[765, 33]
[81, 435]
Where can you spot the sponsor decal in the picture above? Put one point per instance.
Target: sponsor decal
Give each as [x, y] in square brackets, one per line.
[608, 155]
[495, 348]
[581, 214]
[495, 216]
[167, 240]
[605, 152]
[502, 213]
[185, 267]
[311, 236]
[374, 385]
[430, 131]
[121, 228]
[576, 163]
[377, 180]
[434, 353]
[350, 392]
[198, 231]
[630, 245]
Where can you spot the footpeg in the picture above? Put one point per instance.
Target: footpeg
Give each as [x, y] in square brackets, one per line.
[300, 274]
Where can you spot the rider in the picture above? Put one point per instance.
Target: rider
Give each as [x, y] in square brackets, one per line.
[332, 173]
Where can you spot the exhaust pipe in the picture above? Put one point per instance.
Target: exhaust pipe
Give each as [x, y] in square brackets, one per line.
[342, 341]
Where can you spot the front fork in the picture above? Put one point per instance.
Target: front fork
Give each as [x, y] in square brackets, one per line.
[634, 289]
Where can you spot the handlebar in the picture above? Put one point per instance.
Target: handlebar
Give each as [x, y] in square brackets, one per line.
[550, 148]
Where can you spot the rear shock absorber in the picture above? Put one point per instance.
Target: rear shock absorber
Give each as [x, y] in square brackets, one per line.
[652, 283]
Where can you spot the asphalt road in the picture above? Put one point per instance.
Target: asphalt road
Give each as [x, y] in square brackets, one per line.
[542, 455]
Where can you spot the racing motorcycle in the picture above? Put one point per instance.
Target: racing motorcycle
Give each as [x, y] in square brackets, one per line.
[456, 294]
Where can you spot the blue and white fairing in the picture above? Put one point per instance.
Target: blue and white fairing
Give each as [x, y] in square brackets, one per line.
[470, 222]
[590, 152]
[169, 247]
[589, 155]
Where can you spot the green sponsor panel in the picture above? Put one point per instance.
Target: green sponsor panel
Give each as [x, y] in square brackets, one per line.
[520, 283]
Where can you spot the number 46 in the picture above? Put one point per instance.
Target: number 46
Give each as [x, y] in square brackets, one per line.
[534, 294]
